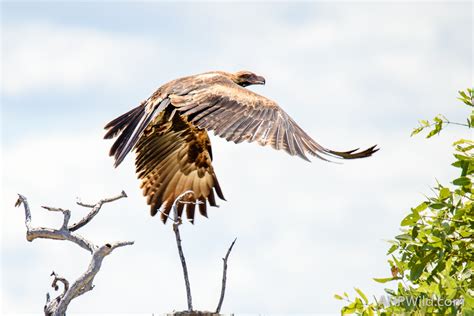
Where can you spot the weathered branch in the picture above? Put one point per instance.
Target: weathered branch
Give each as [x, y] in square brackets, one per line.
[51, 306]
[84, 283]
[58, 306]
[186, 198]
[57, 279]
[95, 209]
[176, 222]
[224, 277]
[63, 233]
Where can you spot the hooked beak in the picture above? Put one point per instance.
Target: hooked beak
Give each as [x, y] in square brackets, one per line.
[259, 80]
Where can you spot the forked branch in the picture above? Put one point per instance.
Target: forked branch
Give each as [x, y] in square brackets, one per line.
[59, 305]
[186, 198]
[95, 210]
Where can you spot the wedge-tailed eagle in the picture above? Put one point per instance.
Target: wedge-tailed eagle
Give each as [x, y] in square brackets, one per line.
[168, 131]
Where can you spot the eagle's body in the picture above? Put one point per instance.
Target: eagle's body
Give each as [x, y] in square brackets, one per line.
[169, 133]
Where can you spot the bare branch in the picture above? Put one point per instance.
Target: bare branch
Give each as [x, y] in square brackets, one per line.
[177, 221]
[51, 306]
[22, 200]
[66, 213]
[84, 283]
[57, 279]
[224, 277]
[63, 233]
[95, 209]
[58, 306]
[87, 288]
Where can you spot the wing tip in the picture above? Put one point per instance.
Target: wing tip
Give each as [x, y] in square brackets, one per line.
[302, 156]
[355, 153]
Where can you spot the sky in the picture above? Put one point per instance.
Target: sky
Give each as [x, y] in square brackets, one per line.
[352, 74]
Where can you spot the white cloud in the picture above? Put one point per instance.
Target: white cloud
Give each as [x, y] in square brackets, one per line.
[42, 56]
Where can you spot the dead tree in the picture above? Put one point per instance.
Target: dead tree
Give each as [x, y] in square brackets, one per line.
[59, 305]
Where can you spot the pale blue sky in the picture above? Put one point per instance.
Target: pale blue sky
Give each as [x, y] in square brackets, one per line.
[352, 74]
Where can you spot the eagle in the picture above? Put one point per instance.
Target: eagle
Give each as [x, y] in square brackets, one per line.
[169, 133]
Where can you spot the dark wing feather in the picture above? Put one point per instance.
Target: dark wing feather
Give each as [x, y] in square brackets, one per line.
[120, 123]
[131, 125]
[173, 157]
[238, 114]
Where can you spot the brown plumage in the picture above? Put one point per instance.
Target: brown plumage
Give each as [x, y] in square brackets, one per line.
[169, 133]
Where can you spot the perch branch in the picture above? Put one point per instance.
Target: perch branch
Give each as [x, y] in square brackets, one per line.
[58, 306]
[224, 277]
[176, 222]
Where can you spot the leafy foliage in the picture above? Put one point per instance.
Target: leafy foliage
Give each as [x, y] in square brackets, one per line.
[439, 121]
[432, 260]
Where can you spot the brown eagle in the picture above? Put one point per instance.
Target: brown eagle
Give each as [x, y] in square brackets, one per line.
[168, 131]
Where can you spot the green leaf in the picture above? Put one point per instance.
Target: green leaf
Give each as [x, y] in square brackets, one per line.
[467, 102]
[362, 295]
[435, 241]
[405, 237]
[416, 131]
[444, 193]
[462, 157]
[410, 219]
[437, 206]
[463, 141]
[433, 132]
[349, 309]
[416, 271]
[469, 302]
[462, 181]
[466, 97]
[421, 207]
[383, 280]
[463, 94]
[392, 249]
[338, 297]
[359, 305]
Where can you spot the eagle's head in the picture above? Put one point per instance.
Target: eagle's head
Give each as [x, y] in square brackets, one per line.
[246, 78]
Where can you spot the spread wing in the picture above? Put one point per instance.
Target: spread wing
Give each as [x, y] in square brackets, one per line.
[173, 157]
[238, 115]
